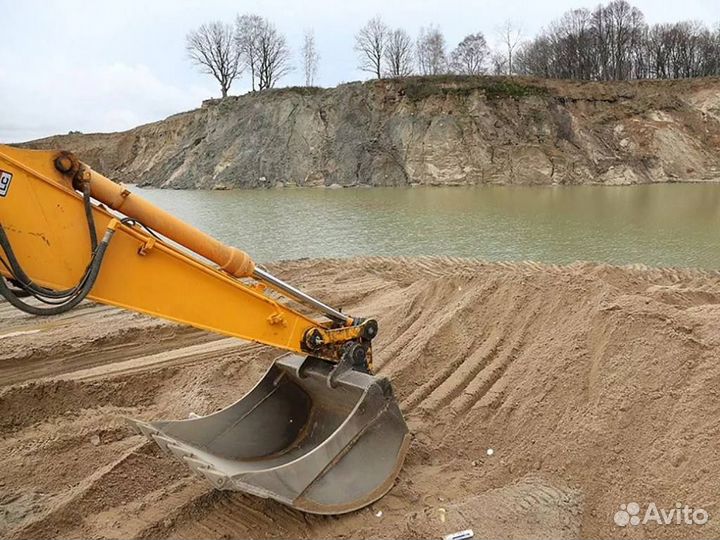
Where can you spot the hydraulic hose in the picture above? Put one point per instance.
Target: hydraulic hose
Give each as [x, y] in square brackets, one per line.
[24, 280]
[63, 300]
[84, 287]
[89, 216]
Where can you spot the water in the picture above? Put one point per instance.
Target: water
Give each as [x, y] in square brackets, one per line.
[659, 225]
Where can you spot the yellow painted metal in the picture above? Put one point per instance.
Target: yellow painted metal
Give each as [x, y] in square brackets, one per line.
[43, 217]
[230, 259]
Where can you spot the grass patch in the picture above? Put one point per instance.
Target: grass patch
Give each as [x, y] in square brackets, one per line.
[298, 90]
[420, 88]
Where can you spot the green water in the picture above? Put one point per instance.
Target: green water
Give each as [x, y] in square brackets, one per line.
[664, 224]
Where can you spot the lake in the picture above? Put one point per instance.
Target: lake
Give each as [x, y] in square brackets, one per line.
[658, 225]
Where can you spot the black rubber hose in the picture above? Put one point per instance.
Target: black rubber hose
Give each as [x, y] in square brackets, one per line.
[87, 284]
[23, 279]
[89, 216]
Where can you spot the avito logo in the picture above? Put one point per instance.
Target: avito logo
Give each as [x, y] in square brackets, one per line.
[630, 514]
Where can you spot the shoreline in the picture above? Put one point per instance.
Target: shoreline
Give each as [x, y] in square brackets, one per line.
[711, 181]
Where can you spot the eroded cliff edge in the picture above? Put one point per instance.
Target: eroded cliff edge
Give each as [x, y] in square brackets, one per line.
[430, 131]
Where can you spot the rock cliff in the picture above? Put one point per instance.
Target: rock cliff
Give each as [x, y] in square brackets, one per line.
[431, 131]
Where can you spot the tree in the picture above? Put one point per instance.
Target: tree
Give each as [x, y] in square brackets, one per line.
[498, 63]
[213, 48]
[470, 55]
[247, 35]
[510, 35]
[398, 54]
[310, 58]
[274, 57]
[263, 49]
[370, 43]
[617, 27]
[614, 42]
[430, 48]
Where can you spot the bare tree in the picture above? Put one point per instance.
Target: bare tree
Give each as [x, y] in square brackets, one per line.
[273, 57]
[533, 58]
[398, 54]
[247, 35]
[212, 47]
[614, 42]
[263, 49]
[498, 63]
[310, 58]
[683, 49]
[370, 43]
[470, 55]
[510, 35]
[431, 55]
[617, 29]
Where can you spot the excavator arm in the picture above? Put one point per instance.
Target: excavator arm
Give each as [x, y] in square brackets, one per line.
[43, 219]
[319, 432]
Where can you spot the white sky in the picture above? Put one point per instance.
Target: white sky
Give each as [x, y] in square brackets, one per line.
[110, 65]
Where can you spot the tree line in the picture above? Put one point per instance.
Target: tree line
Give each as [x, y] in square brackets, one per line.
[611, 42]
[391, 52]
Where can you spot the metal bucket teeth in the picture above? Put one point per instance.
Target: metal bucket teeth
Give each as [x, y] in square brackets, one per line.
[293, 439]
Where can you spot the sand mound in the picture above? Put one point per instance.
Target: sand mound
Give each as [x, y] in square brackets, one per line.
[593, 385]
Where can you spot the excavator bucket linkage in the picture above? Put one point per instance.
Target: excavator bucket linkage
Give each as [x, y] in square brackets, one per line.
[294, 439]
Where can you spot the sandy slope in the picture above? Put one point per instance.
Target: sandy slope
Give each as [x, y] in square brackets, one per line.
[594, 386]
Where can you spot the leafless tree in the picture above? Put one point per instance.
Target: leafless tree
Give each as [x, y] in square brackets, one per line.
[247, 35]
[431, 55]
[510, 35]
[274, 57]
[398, 54]
[533, 58]
[614, 42]
[684, 49]
[370, 43]
[617, 28]
[498, 63]
[470, 55]
[310, 58]
[212, 47]
[263, 49]
[572, 39]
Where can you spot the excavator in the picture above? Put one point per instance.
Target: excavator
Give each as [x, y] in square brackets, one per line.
[319, 432]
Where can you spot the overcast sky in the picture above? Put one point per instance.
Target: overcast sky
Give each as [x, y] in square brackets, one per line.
[111, 65]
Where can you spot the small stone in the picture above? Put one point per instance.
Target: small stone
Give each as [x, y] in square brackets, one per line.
[379, 513]
[95, 440]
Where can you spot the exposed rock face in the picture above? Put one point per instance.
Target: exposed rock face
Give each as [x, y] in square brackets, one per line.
[437, 131]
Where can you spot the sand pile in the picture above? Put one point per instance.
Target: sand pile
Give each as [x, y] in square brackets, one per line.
[594, 386]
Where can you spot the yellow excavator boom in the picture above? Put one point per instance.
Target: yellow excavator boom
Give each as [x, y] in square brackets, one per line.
[319, 432]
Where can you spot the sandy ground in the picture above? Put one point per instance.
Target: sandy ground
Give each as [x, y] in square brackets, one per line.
[594, 385]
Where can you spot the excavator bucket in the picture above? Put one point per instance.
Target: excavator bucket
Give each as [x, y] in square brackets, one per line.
[295, 439]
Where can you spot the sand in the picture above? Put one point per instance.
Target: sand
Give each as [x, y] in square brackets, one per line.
[593, 385]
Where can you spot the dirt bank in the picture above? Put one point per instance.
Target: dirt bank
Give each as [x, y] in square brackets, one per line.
[594, 385]
[433, 131]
